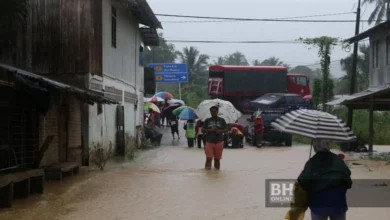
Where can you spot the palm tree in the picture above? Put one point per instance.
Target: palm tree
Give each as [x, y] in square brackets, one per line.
[380, 11]
[196, 63]
[256, 63]
[220, 61]
[272, 61]
[287, 66]
[13, 17]
[236, 58]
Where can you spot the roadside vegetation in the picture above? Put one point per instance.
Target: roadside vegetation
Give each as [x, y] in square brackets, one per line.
[323, 83]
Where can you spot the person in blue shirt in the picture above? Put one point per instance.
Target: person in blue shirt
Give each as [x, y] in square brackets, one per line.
[326, 178]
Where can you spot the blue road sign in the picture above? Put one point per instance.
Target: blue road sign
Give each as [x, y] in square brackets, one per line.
[170, 72]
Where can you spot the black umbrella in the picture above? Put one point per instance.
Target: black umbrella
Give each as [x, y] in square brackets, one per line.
[167, 112]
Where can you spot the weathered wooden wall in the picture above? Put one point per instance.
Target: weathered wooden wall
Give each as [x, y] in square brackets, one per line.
[62, 37]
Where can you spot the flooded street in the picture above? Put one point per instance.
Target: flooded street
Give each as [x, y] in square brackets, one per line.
[170, 183]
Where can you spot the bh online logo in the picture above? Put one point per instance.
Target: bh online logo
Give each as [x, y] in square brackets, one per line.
[281, 192]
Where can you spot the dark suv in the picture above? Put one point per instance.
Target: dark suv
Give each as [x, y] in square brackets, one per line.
[279, 100]
[270, 134]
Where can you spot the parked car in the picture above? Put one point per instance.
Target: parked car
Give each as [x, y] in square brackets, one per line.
[286, 101]
[270, 134]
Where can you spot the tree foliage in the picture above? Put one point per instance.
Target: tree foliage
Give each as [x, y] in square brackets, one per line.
[272, 61]
[324, 45]
[317, 90]
[164, 53]
[362, 81]
[237, 59]
[197, 64]
[381, 10]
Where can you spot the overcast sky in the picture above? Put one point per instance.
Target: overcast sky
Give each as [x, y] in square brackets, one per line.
[294, 54]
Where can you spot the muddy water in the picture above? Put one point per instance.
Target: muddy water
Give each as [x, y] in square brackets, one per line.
[169, 183]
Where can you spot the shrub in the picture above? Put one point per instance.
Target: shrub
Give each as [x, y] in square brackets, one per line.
[100, 155]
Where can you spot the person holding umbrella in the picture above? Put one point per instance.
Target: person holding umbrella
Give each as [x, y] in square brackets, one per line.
[214, 129]
[164, 115]
[174, 126]
[189, 127]
[326, 179]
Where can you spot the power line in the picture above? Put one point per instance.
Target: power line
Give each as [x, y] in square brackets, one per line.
[256, 19]
[284, 18]
[234, 42]
[315, 64]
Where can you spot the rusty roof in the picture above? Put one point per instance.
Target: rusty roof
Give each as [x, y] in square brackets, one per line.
[83, 94]
[149, 36]
[143, 13]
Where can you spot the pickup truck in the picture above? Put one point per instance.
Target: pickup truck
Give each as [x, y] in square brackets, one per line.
[279, 101]
[270, 134]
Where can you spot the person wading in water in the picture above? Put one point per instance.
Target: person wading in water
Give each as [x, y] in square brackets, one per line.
[214, 129]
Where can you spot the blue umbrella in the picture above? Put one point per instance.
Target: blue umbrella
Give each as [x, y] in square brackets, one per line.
[188, 114]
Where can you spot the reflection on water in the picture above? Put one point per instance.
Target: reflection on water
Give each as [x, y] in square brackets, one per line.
[170, 183]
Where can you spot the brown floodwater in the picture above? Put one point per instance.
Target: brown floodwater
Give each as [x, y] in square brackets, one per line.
[170, 183]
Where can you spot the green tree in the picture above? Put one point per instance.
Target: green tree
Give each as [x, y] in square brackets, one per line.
[287, 66]
[324, 45]
[192, 95]
[256, 63]
[381, 10]
[13, 18]
[362, 79]
[272, 61]
[236, 58]
[364, 65]
[197, 64]
[220, 61]
[164, 53]
[317, 89]
[305, 70]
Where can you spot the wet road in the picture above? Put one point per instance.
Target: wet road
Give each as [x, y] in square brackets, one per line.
[170, 183]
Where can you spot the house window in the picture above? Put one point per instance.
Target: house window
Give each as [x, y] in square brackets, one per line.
[375, 54]
[141, 56]
[388, 50]
[113, 26]
[302, 81]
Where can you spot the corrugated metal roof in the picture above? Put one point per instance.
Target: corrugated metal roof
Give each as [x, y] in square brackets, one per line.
[368, 32]
[149, 36]
[143, 13]
[360, 95]
[83, 94]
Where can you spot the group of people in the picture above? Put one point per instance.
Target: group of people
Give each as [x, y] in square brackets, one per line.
[321, 186]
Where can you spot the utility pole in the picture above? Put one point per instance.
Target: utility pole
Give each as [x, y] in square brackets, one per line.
[354, 66]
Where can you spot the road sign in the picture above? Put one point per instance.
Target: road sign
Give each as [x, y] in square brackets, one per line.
[170, 72]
